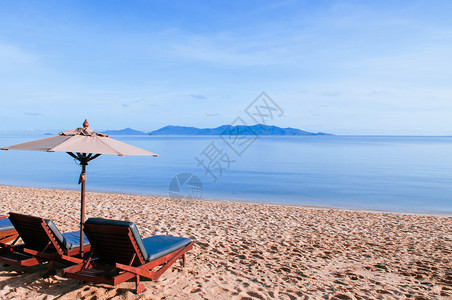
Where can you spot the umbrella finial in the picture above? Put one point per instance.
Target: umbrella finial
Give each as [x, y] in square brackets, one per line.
[86, 124]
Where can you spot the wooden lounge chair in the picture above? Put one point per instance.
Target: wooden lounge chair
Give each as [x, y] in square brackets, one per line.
[118, 254]
[7, 231]
[42, 242]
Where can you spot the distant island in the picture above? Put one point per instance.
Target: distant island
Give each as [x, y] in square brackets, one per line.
[125, 131]
[232, 130]
[258, 129]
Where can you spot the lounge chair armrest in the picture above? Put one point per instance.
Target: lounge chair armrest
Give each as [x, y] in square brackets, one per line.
[137, 271]
[72, 259]
[29, 251]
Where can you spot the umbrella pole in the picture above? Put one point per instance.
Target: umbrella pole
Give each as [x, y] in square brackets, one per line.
[82, 204]
[84, 158]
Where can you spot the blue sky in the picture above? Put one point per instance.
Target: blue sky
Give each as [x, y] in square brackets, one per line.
[345, 67]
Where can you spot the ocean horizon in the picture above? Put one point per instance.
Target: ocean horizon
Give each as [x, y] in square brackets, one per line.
[402, 174]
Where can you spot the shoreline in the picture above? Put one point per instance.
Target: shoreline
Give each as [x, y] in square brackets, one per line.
[421, 213]
[250, 251]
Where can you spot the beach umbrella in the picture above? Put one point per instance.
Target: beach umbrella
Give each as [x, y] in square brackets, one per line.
[84, 145]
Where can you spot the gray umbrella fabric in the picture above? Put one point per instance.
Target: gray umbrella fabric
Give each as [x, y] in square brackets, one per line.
[81, 140]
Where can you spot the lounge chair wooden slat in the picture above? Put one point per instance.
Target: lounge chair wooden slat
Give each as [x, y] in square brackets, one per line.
[8, 236]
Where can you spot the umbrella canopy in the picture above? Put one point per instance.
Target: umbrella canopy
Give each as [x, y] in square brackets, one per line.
[81, 140]
[84, 145]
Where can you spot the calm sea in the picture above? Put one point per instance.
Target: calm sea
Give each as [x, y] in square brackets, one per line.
[385, 173]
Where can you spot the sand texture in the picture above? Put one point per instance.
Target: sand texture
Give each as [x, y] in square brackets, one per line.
[251, 251]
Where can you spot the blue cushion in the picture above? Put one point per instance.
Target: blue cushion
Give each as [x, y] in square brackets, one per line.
[68, 240]
[56, 232]
[5, 224]
[161, 245]
[72, 239]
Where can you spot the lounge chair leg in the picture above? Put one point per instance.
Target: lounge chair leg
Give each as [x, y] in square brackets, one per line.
[140, 286]
[51, 271]
[183, 260]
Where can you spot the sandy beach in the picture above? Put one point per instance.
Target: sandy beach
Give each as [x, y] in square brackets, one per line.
[251, 251]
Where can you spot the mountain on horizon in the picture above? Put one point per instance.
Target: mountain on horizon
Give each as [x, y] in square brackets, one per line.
[258, 129]
[125, 131]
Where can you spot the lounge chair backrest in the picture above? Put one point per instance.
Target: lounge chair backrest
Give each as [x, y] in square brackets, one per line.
[38, 233]
[116, 241]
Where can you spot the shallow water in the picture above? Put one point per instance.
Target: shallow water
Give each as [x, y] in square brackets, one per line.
[397, 174]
